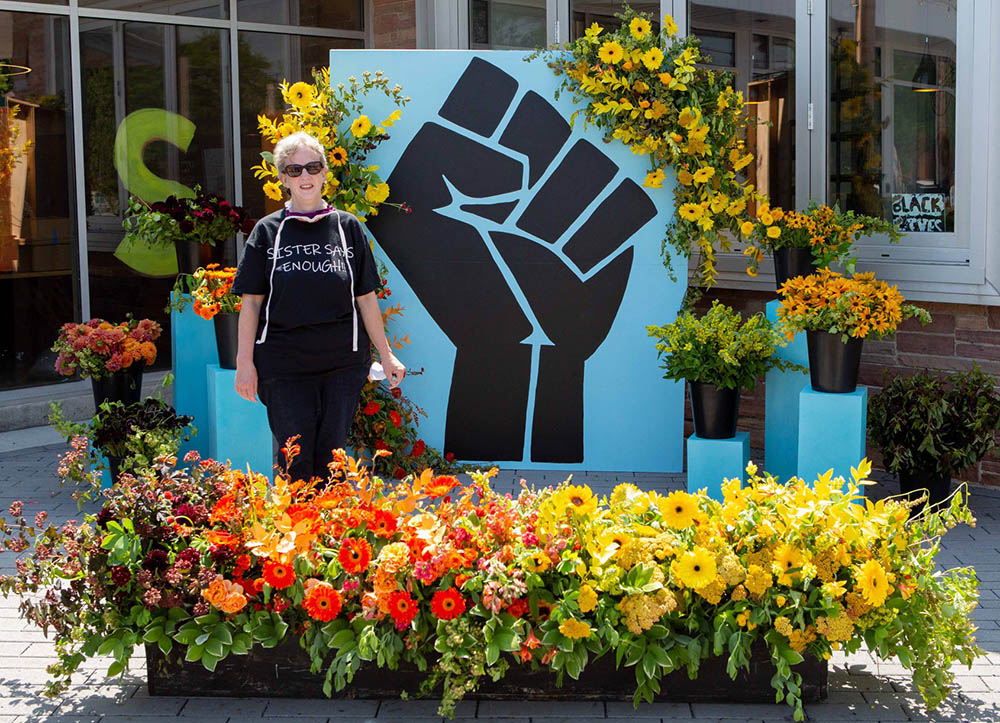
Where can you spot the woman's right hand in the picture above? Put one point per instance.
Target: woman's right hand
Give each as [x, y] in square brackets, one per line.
[246, 380]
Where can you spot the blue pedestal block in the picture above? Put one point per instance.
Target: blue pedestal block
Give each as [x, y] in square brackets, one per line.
[711, 461]
[192, 343]
[781, 406]
[240, 432]
[106, 481]
[831, 432]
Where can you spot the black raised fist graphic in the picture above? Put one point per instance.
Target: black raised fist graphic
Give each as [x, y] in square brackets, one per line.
[517, 247]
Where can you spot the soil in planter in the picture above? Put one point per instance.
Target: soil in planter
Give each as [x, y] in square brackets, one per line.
[283, 672]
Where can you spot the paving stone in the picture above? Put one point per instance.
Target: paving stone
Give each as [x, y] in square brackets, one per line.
[422, 709]
[851, 705]
[17, 703]
[540, 709]
[669, 711]
[237, 708]
[769, 711]
[135, 718]
[318, 707]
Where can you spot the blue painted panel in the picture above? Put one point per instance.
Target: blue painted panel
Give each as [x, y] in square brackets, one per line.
[711, 461]
[781, 406]
[192, 344]
[240, 432]
[831, 432]
[528, 270]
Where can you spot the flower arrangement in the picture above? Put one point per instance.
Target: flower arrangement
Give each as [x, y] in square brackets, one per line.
[210, 292]
[98, 348]
[205, 218]
[828, 232]
[645, 89]
[860, 306]
[464, 582]
[334, 117]
[719, 348]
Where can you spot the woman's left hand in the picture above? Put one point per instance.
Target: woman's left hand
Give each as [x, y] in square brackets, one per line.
[394, 369]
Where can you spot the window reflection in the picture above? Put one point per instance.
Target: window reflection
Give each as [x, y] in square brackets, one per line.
[191, 8]
[586, 12]
[507, 25]
[338, 14]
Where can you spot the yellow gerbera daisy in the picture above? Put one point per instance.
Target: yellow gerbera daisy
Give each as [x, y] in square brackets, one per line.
[787, 558]
[272, 189]
[300, 95]
[654, 179]
[573, 628]
[691, 211]
[652, 58]
[703, 174]
[679, 508]
[640, 28]
[873, 583]
[611, 52]
[579, 499]
[360, 126]
[696, 568]
[669, 25]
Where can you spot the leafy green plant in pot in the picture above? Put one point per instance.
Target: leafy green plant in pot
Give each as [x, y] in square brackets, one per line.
[930, 427]
[718, 355]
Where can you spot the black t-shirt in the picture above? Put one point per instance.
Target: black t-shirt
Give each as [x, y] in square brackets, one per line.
[306, 324]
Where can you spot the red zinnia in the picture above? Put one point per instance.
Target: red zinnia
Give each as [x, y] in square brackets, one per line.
[402, 608]
[322, 602]
[447, 604]
[355, 554]
[395, 418]
[372, 408]
[418, 447]
[278, 575]
[383, 523]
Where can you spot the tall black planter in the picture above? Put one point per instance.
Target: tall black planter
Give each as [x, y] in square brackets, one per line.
[913, 484]
[226, 335]
[123, 386]
[715, 410]
[191, 255]
[792, 262]
[833, 364]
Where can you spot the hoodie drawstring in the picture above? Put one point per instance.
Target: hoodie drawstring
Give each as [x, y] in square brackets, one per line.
[350, 270]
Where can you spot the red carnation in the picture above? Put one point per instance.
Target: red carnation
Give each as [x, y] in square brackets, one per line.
[372, 408]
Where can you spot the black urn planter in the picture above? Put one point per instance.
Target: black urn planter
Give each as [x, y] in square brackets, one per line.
[833, 363]
[114, 467]
[915, 484]
[226, 337]
[124, 385]
[792, 262]
[283, 672]
[715, 410]
[191, 255]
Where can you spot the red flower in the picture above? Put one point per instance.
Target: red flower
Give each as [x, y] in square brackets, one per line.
[447, 604]
[450, 456]
[396, 393]
[399, 473]
[418, 446]
[395, 418]
[322, 602]
[383, 523]
[355, 554]
[372, 408]
[402, 608]
[278, 575]
[518, 608]
[380, 444]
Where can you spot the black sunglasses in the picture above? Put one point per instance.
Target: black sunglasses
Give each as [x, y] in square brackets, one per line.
[295, 169]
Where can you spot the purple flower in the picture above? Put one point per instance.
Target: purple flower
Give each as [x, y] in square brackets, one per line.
[156, 560]
[121, 576]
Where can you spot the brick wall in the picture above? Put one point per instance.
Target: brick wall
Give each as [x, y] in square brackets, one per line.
[394, 23]
[958, 336]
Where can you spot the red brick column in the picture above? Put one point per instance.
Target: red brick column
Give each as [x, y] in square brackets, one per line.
[394, 23]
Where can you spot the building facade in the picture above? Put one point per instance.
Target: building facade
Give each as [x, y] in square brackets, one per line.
[882, 106]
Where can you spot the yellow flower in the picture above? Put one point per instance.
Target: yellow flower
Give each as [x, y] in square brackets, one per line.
[391, 120]
[377, 193]
[669, 25]
[537, 561]
[835, 589]
[588, 599]
[689, 117]
[593, 31]
[736, 207]
[360, 126]
[684, 178]
[640, 28]
[696, 568]
[579, 499]
[787, 558]
[774, 232]
[738, 165]
[338, 156]
[665, 78]
[766, 218]
[654, 179]
[272, 189]
[679, 508]
[691, 211]
[611, 52]
[652, 58]
[873, 583]
[703, 174]
[573, 628]
[300, 95]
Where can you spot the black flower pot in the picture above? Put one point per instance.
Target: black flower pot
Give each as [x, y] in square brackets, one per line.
[114, 468]
[715, 410]
[833, 363]
[191, 255]
[123, 386]
[915, 484]
[792, 262]
[226, 335]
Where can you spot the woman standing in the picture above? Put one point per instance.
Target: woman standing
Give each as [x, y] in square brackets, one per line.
[308, 282]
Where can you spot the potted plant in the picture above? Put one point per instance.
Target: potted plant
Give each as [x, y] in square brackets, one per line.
[111, 355]
[838, 313]
[718, 355]
[193, 225]
[931, 427]
[209, 290]
[801, 243]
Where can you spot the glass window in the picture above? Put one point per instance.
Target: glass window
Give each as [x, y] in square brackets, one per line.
[518, 24]
[757, 42]
[39, 287]
[892, 113]
[181, 75]
[193, 8]
[339, 14]
[603, 12]
[265, 60]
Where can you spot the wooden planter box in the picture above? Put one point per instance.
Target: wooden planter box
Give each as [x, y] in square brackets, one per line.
[283, 672]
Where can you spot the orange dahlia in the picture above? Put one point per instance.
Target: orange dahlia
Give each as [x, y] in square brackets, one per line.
[447, 604]
[322, 602]
[278, 575]
[355, 554]
[402, 608]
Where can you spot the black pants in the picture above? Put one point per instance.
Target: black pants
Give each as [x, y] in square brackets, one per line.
[318, 409]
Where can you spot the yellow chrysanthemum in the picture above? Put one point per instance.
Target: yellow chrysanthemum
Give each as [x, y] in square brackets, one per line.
[873, 583]
[678, 509]
[774, 232]
[696, 568]
[611, 52]
[361, 126]
[573, 628]
[588, 599]
[578, 499]
[640, 28]
[272, 189]
[300, 95]
[652, 58]
[691, 211]
[377, 193]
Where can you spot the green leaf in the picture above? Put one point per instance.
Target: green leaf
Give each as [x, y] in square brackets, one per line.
[116, 669]
[153, 634]
[492, 653]
[166, 644]
[223, 634]
[193, 653]
[210, 661]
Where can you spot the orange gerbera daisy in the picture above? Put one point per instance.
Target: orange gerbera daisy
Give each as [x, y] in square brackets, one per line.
[402, 608]
[355, 554]
[447, 604]
[441, 486]
[278, 575]
[322, 601]
[383, 523]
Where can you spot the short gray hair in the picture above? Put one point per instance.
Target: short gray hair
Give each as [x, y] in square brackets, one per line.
[290, 144]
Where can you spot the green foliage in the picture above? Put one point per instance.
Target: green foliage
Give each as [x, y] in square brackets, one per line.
[719, 348]
[935, 424]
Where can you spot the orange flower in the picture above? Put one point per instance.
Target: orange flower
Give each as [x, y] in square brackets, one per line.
[322, 601]
[441, 486]
[383, 523]
[225, 539]
[402, 608]
[278, 575]
[355, 555]
[224, 510]
[225, 595]
[447, 604]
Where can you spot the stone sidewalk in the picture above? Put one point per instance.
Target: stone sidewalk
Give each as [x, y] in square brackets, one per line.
[860, 688]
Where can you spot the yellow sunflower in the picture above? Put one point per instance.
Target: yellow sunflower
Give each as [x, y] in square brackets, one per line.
[611, 52]
[338, 156]
[873, 583]
[695, 568]
[537, 561]
[272, 189]
[361, 126]
[640, 28]
[573, 628]
[679, 508]
[300, 95]
[579, 499]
